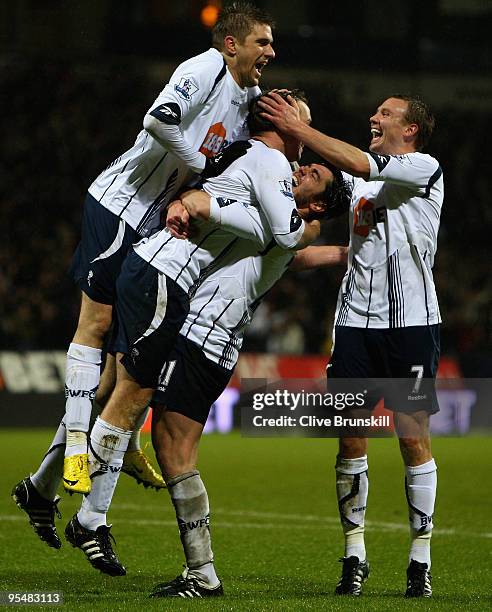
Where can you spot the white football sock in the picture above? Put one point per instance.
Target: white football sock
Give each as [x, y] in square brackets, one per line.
[134, 443]
[106, 450]
[420, 487]
[49, 474]
[352, 490]
[190, 501]
[81, 382]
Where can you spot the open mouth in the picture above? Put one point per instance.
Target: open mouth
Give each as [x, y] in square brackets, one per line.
[259, 68]
[295, 180]
[376, 134]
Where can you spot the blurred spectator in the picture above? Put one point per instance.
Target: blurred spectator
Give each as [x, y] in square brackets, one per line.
[286, 335]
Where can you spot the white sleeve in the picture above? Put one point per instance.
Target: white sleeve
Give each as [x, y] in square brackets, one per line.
[273, 189]
[239, 219]
[171, 138]
[188, 88]
[412, 170]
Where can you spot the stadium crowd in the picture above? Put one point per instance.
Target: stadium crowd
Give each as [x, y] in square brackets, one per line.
[63, 125]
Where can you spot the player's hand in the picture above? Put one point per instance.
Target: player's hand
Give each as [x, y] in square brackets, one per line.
[216, 165]
[284, 114]
[178, 220]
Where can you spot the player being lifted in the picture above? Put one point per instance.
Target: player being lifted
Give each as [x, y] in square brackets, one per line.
[152, 304]
[200, 110]
[387, 319]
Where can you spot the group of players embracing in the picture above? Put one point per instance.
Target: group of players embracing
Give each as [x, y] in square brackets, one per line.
[170, 304]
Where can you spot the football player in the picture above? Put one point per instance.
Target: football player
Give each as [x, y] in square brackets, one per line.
[203, 360]
[387, 319]
[201, 109]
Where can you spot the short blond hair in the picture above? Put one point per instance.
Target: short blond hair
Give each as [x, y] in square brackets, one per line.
[238, 19]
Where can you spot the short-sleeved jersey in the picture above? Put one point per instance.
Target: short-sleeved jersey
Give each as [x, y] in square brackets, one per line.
[394, 220]
[263, 179]
[224, 304]
[210, 109]
[259, 186]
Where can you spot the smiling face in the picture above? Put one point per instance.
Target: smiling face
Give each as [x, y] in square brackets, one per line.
[251, 55]
[391, 133]
[310, 183]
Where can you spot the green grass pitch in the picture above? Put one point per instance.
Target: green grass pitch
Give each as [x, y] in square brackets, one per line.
[274, 526]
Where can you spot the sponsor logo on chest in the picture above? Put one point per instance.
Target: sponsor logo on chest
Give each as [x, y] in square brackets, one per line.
[214, 140]
[367, 216]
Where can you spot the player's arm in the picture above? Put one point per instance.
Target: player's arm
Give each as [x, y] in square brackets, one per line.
[339, 153]
[178, 220]
[319, 256]
[413, 170]
[186, 91]
[272, 182]
[231, 215]
[170, 138]
[197, 203]
[309, 235]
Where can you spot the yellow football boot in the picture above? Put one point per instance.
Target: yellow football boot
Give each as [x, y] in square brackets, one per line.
[76, 477]
[137, 465]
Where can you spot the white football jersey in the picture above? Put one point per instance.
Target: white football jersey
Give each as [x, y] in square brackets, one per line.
[210, 109]
[255, 199]
[261, 178]
[225, 302]
[394, 221]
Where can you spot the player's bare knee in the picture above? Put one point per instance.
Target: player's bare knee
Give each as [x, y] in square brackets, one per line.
[175, 453]
[415, 451]
[99, 326]
[125, 407]
[176, 459]
[94, 322]
[352, 448]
